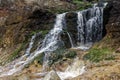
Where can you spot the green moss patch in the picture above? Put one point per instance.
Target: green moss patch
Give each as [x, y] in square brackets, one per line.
[96, 55]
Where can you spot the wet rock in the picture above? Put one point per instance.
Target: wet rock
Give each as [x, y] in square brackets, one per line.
[71, 23]
[52, 75]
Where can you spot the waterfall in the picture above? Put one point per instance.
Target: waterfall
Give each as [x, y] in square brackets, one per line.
[80, 28]
[90, 26]
[54, 36]
[89, 30]
[51, 42]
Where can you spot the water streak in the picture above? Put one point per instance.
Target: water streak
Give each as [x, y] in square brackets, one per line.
[71, 42]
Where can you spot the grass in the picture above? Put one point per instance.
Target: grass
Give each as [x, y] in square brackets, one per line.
[96, 55]
[16, 52]
[81, 5]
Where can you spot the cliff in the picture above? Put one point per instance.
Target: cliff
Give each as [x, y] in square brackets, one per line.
[112, 15]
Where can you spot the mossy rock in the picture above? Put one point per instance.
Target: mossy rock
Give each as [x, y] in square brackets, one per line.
[61, 54]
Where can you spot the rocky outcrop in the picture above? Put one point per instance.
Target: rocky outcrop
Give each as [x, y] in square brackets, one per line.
[112, 25]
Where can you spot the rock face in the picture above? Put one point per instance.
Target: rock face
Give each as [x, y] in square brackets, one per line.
[71, 23]
[71, 29]
[18, 27]
[112, 23]
[17, 17]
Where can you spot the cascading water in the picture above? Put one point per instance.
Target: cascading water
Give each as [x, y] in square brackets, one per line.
[54, 36]
[90, 26]
[76, 69]
[50, 43]
[89, 31]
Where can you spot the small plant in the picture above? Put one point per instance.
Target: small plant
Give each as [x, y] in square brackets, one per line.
[96, 55]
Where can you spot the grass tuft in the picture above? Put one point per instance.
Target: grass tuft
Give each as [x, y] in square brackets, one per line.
[96, 55]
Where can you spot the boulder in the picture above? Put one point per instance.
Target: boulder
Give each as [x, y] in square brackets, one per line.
[52, 75]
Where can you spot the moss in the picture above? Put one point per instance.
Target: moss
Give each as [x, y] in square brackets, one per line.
[57, 54]
[43, 32]
[96, 55]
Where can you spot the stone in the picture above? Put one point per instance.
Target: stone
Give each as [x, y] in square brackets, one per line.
[52, 75]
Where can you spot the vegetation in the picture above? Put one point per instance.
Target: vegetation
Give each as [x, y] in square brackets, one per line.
[15, 54]
[61, 53]
[96, 55]
[43, 32]
[81, 5]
